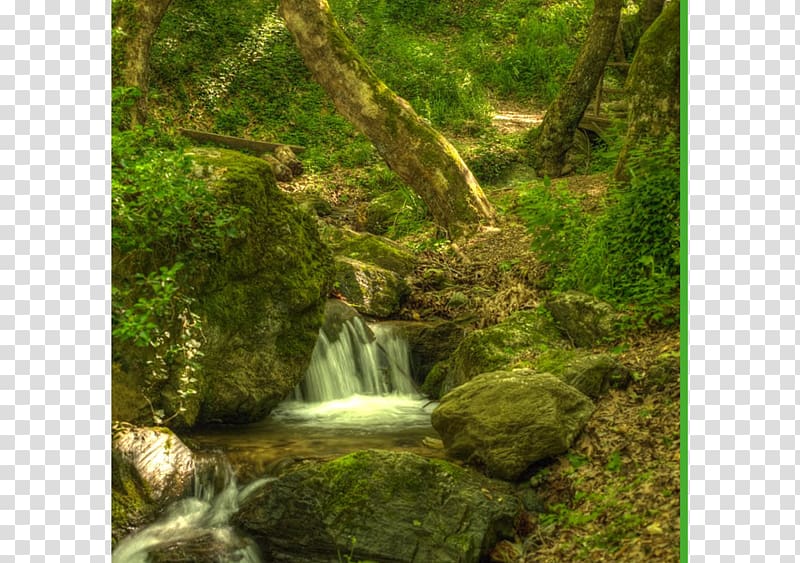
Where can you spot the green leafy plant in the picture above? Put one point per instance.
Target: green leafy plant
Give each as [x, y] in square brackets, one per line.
[554, 216]
[632, 253]
[163, 218]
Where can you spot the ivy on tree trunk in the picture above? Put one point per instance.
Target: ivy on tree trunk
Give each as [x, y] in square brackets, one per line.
[419, 154]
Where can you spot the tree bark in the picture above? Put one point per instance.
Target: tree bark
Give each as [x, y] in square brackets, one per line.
[135, 23]
[420, 155]
[565, 112]
[648, 12]
[654, 86]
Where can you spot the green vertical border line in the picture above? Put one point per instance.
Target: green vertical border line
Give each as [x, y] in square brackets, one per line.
[684, 281]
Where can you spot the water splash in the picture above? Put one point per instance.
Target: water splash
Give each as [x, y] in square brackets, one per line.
[205, 514]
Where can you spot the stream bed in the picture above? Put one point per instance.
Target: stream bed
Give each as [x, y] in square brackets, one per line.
[357, 394]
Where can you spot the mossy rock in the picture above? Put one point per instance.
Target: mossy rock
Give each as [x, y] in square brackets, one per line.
[264, 300]
[382, 211]
[369, 248]
[434, 381]
[260, 301]
[591, 374]
[505, 421]
[585, 320]
[429, 343]
[666, 369]
[523, 334]
[379, 506]
[371, 290]
[312, 203]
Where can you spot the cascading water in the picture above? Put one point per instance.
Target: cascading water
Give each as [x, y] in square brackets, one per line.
[204, 515]
[357, 394]
[361, 377]
[361, 360]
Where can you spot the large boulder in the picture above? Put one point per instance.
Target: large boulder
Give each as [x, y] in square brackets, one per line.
[519, 338]
[150, 468]
[505, 421]
[371, 290]
[259, 301]
[585, 320]
[378, 506]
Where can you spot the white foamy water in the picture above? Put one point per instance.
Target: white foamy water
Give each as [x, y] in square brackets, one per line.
[367, 411]
[216, 497]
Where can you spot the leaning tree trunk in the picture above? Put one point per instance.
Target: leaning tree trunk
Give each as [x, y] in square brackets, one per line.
[558, 128]
[654, 86]
[135, 22]
[420, 155]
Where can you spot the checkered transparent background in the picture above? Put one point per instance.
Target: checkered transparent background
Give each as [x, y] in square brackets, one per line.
[743, 278]
[54, 292]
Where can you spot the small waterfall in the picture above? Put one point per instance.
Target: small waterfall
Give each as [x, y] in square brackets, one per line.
[360, 360]
[201, 519]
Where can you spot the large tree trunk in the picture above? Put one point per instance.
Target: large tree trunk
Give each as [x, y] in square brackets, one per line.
[420, 155]
[653, 86]
[565, 112]
[135, 22]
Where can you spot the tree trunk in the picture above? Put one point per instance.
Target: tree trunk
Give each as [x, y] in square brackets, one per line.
[565, 112]
[634, 26]
[135, 22]
[420, 155]
[648, 12]
[654, 86]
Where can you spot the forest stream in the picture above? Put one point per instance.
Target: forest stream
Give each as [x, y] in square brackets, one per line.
[357, 394]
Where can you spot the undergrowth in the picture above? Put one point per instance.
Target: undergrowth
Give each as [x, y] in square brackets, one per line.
[234, 69]
[628, 252]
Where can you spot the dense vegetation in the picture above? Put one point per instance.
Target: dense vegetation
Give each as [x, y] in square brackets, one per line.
[232, 68]
[453, 61]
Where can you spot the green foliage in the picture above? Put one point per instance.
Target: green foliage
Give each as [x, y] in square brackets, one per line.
[159, 209]
[554, 216]
[630, 252]
[633, 252]
[543, 43]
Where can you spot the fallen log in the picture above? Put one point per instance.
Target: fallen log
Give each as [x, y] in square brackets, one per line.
[258, 147]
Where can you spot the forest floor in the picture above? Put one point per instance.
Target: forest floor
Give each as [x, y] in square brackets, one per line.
[615, 496]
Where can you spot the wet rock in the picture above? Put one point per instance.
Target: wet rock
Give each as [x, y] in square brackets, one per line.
[150, 468]
[337, 313]
[429, 342]
[505, 421]
[379, 506]
[218, 547]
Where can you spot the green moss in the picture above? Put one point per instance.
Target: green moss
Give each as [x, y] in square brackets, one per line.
[129, 499]
[525, 333]
[432, 385]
